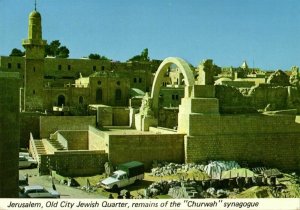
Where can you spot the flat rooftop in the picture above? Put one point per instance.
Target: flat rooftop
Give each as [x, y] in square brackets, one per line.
[125, 130]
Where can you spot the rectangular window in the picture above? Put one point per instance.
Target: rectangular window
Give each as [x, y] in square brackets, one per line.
[69, 67]
[19, 65]
[59, 67]
[102, 68]
[140, 80]
[9, 65]
[94, 68]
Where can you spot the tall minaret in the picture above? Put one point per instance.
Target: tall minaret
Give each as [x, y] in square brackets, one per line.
[34, 64]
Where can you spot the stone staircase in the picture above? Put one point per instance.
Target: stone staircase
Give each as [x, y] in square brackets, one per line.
[38, 149]
[56, 144]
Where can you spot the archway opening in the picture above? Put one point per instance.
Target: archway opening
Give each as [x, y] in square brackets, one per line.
[61, 100]
[164, 69]
[80, 100]
[118, 95]
[98, 95]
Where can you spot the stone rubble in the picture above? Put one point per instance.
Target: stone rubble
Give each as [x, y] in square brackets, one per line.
[213, 168]
[166, 169]
[213, 187]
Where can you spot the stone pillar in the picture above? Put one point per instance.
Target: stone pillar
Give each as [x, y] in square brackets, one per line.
[199, 119]
[201, 107]
[132, 112]
[145, 118]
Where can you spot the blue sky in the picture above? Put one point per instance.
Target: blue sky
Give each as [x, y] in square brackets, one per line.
[266, 33]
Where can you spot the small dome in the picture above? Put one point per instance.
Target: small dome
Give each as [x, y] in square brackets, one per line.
[34, 14]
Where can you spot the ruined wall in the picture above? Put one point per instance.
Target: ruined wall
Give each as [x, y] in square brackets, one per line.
[50, 124]
[74, 163]
[120, 116]
[245, 84]
[168, 117]
[104, 115]
[271, 140]
[232, 101]
[9, 134]
[77, 140]
[146, 148]
[264, 94]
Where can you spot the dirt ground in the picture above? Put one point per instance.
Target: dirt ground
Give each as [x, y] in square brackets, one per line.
[64, 190]
[95, 191]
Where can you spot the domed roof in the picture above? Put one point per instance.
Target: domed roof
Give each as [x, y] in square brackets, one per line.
[35, 14]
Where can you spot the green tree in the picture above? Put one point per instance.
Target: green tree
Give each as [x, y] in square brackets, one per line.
[54, 49]
[142, 57]
[63, 52]
[97, 57]
[17, 52]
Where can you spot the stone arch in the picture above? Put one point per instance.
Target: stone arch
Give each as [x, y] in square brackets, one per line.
[182, 65]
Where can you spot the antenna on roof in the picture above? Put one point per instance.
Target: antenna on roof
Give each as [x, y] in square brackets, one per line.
[34, 5]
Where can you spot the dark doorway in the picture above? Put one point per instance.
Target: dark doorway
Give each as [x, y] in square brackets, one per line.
[118, 94]
[61, 100]
[98, 95]
[80, 100]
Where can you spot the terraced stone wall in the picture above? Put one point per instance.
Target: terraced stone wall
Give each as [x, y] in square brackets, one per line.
[270, 140]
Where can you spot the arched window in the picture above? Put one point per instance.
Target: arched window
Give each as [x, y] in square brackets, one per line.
[99, 95]
[118, 94]
[61, 100]
[80, 100]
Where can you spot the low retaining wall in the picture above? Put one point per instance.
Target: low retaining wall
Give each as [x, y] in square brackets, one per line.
[74, 163]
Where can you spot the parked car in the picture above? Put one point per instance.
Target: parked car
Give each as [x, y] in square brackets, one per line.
[27, 162]
[37, 191]
[23, 181]
[126, 174]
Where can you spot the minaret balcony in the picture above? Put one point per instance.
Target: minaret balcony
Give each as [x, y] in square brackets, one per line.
[33, 42]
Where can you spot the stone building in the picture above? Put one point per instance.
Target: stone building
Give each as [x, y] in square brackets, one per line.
[53, 82]
[9, 134]
[214, 122]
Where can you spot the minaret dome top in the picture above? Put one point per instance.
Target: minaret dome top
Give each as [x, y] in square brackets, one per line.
[34, 14]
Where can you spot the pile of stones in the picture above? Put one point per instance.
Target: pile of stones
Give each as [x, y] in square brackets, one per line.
[160, 188]
[213, 168]
[187, 189]
[166, 169]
